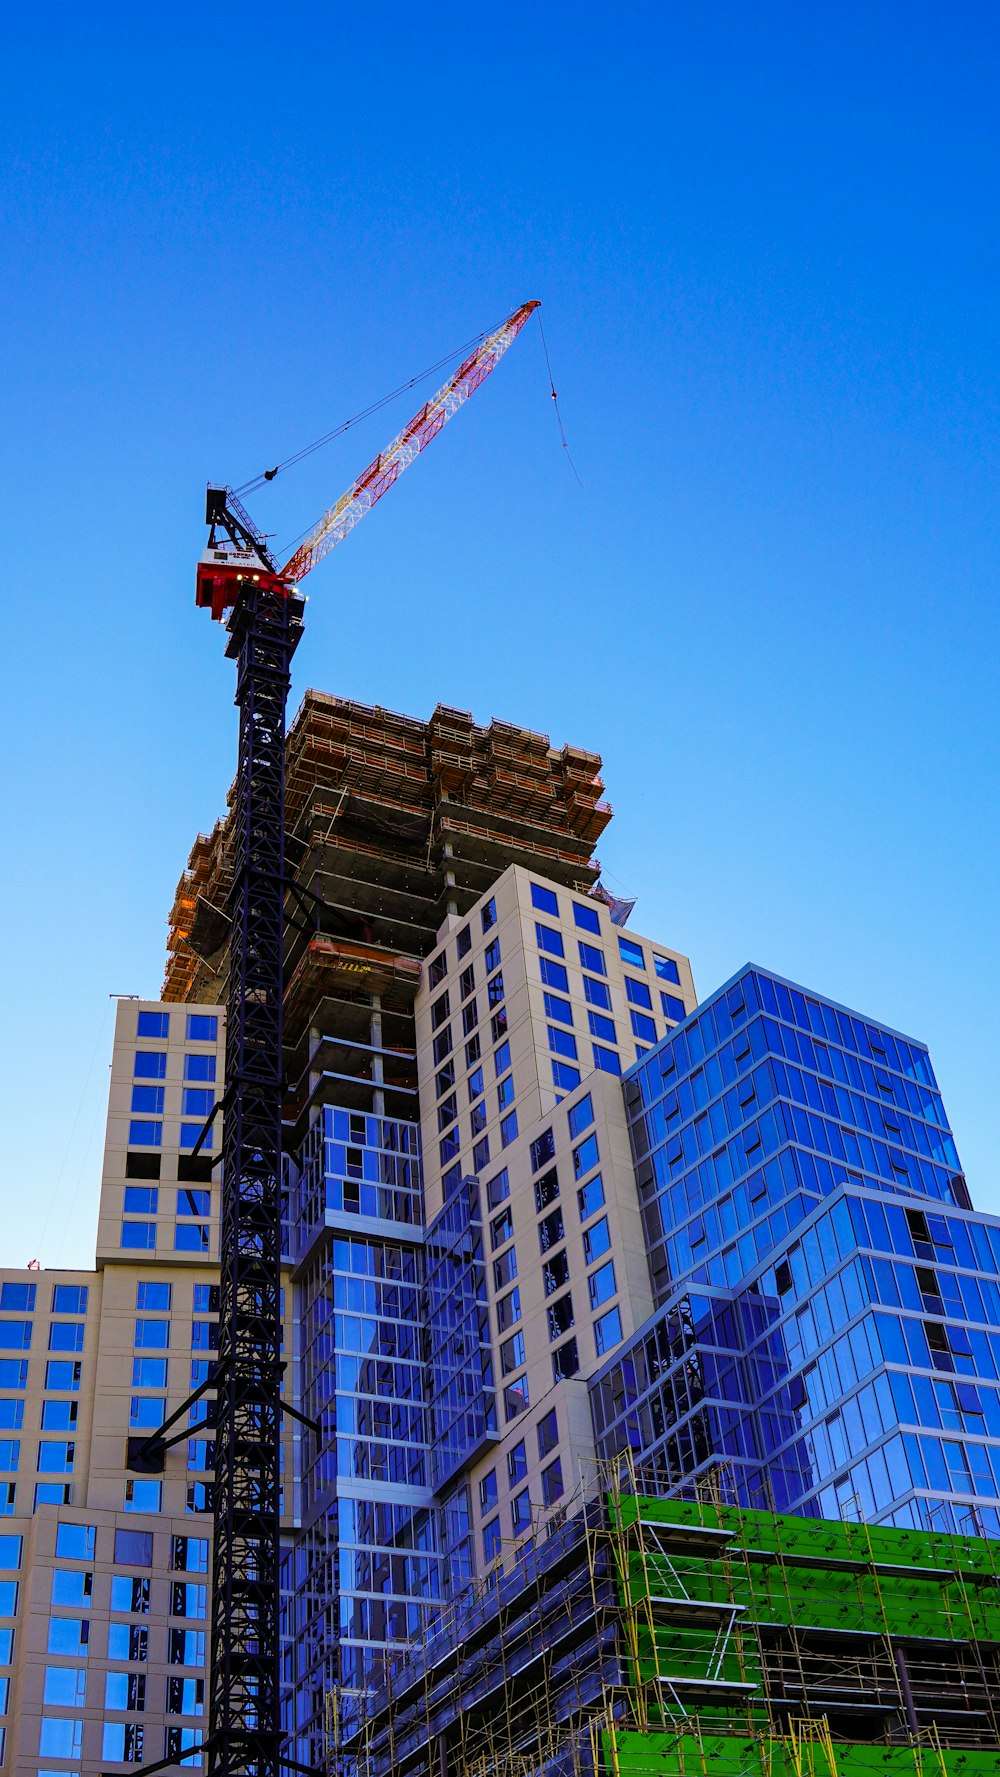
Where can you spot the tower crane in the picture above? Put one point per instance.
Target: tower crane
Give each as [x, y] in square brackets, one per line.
[240, 583]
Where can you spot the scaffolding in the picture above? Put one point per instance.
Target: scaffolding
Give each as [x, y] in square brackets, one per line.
[666, 1637]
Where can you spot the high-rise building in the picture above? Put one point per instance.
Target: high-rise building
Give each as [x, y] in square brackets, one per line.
[544, 1215]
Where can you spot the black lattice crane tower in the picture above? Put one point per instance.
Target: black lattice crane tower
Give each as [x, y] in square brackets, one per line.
[237, 575]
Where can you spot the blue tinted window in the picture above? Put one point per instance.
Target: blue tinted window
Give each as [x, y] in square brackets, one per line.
[481, 1154]
[672, 1007]
[10, 1455]
[505, 1093]
[549, 940]
[199, 1067]
[590, 1197]
[491, 956]
[154, 1024]
[585, 1156]
[14, 1372]
[196, 1101]
[149, 1372]
[61, 1373]
[66, 1335]
[598, 992]
[145, 1135]
[189, 1137]
[596, 1241]
[489, 915]
[76, 1542]
[564, 1077]
[201, 1028]
[148, 1098]
[667, 969]
[56, 1456]
[10, 1553]
[140, 1235]
[463, 942]
[607, 1060]
[607, 1331]
[69, 1298]
[581, 1116]
[559, 1009]
[562, 1042]
[17, 1298]
[643, 1027]
[587, 918]
[152, 1335]
[544, 900]
[592, 958]
[190, 1237]
[15, 1335]
[150, 1065]
[602, 1027]
[553, 974]
[508, 1129]
[154, 1297]
[601, 1284]
[501, 1059]
[638, 993]
[141, 1200]
[631, 953]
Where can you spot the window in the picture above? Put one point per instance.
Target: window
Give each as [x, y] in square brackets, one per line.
[75, 1542]
[202, 1028]
[145, 1135]
[590, 1197]
[190, 1133]
[544, 900]
[565, 1077]
[488, 1492]
[141, 1200]
[481, 1154]
[491, 956]
[140, 1235]
[463, 943]
[505, 1093]
[467, 982]
[515, 1398]
[565, 1361]
[501, 1228]
[546, 1190]
[498, 1025]
[17, 1298]
[498, 1189]
[8, 1593]
[474, 1082]
[553, 974]
[489, 915]
[68, 1635]
[154, 1297]
[585, 1156]
[491, 1540]
[581, 1115]
[601, 1284]
[442, 1046]
[150, 1064]
[58, 1415]
[188, 1601]
[194, 1203]
[505, 1269]
[555, 1272]
[191, 1237]
[65, 1686]
[494, 989]
[196, 1101]
[473, 1051]
[125, 1690]
[55, 1456]
[123, 1742]
[520, 1512]
[549, 941]
[606, 1060]
[509, 1310]
[66, 1335]
[561, 1042]
[512, 1354]
[130, 1593]
[560, 1010]
[15, 1335]
[596, 1241]
[597, 993]
[517, 1464]
[440, 1010]
[501, 1059]
[12, 1413]
[189, 1554]
[607, 1331]
[185, 1647]
[199, 1067]
[437, 969]
[154, 1024]
[550, 1230]
[508, 1129]
[470, 1018]
[602, 1027]
[552, 1483]
[69, 1298]
[10, 1454]
[149, 1372]
[204, 1335]
[672, 1007]
[146, 1412]
[142, 1165]
[643, 1027]
[142, 1496]
[148, 1099]
[560, 1315]
[447, 1111]
[134, 1548]
[61, 1736]
[631, 952]
[667, 969]
[61, 1374]
[592, 959]
[638, 993]
[587, 918]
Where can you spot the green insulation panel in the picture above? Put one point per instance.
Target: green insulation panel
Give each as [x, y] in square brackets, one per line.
[632, 1754]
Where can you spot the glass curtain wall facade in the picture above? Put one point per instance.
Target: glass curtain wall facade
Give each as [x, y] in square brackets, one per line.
[829, 1320]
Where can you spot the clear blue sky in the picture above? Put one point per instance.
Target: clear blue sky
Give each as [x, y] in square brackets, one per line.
[765, 237]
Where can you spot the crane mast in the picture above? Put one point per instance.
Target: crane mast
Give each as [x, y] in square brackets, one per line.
[237, 574]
